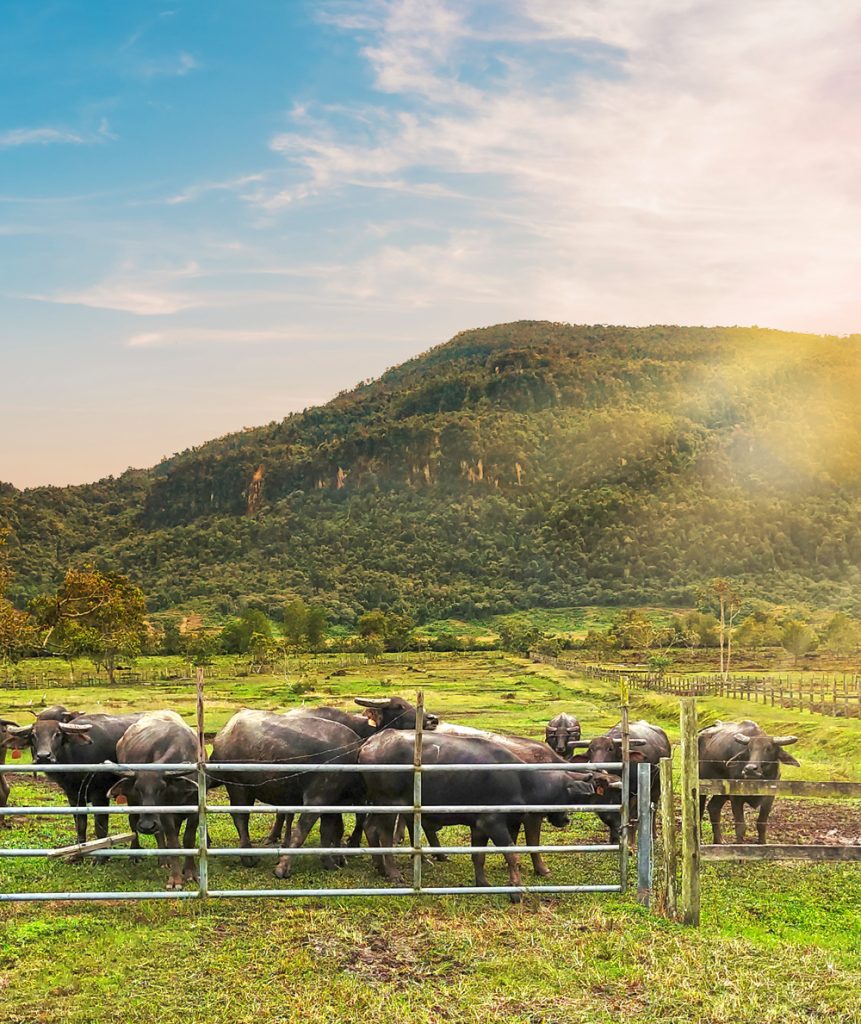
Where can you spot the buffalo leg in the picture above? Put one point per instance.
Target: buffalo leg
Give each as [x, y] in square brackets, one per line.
[532, 830]
[383, 830]
[100, 799]
[189, 841]
[356, 835]
[497, 829]
[715, 807]
[136, 842]
[432, 833]
[331, 834]
[242, 796]
[170, 832]
[762, 818]
[737, 804]
[283, 824]
[479, 838]
[307, 820]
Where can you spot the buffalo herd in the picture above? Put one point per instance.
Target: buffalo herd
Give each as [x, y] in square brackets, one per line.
[384, 734]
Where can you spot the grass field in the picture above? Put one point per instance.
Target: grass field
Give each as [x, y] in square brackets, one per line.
[778, 942]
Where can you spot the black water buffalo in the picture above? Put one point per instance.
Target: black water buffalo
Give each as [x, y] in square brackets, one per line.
[648, 743]
[383, 713]
[530, 752]
[265, 737]
[4, 782]
[562, 733]
[72, 738]
[161, 737]
[481, 787]
[741, 750]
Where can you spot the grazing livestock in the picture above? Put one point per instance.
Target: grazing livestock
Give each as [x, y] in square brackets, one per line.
[265, 737]
[562, 733]
[741, 750]
[71, 738]
[383, 713]
[161, 737]
[481, 787]
[649, 743]
[4, 783]
[530, 752]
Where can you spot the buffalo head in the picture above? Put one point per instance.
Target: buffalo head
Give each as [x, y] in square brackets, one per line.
[395, 713]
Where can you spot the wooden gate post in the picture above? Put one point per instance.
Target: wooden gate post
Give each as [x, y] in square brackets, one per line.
[690, 785]
[668, 837]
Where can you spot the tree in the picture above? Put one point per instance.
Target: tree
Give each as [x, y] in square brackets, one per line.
[842, 634]
[296, 614]
[729, 600]
[798, 638]
[315, 626]
[237, 633]
[18, 634]
[372, 623]
[100, 615]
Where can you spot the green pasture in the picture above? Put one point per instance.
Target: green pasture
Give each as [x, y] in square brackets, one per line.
[779, 943]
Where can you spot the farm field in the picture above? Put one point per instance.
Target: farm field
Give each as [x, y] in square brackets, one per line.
[778, 942]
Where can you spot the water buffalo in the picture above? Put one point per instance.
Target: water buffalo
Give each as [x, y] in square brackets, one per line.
[161, 737]
[648, 743]
[383, 713]
[530, 752]
[741, 750]
[71, 738]
[4, 782]
[562, 733]
[266, 737]
[482, 787]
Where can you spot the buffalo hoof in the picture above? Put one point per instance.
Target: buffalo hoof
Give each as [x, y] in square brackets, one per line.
[441, 857]
[249, 862]
[542, 872]
[174, 884]
[189, 876]
[515, 897]
[282, 870]
[396, 879]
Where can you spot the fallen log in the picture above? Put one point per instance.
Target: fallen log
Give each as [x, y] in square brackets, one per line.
[82, 849]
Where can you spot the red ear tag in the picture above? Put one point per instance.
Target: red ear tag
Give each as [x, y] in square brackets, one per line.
[599, 790]
[122, 799]
[16, 754]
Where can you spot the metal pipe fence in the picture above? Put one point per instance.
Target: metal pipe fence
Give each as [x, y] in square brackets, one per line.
[204, 773]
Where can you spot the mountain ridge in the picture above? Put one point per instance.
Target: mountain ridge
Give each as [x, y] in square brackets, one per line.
[537, 463]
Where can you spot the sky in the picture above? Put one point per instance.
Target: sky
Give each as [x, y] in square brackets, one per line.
[214, 213]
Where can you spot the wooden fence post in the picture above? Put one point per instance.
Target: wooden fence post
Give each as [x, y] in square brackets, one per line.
[668, 837]
[690, 902]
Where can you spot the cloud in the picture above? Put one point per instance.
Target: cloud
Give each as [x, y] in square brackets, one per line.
[681, 160]
[210, 335]
[175, 66]
[152, 293]
[194, 192]
[39, 137]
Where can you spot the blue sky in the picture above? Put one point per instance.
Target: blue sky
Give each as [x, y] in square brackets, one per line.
[213, 213]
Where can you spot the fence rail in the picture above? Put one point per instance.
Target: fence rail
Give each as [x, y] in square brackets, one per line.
[837, 695]
[204, 771]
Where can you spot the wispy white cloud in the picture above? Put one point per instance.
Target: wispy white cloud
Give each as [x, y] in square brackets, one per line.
[39, 137]
[130, 290]
[238, 185]
[173, 66]
[217, 336]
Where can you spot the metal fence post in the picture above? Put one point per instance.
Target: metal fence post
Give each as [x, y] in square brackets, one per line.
[644, 833]
[690, 902]
[668, 836]
[202, 828]
[417, 793]
[626, 787]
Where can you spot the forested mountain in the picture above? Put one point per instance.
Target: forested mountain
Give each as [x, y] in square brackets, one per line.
[528, 464]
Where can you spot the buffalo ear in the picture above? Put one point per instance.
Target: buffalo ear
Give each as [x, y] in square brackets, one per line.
[787, 759]
[122, 788]
[579, 759]
[636, 755]
[16, 737]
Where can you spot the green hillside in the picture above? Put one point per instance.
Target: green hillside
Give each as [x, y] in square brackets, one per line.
[525, 465]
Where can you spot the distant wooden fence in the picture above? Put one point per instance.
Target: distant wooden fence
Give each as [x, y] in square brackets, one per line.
[836, 695]
[684, 901]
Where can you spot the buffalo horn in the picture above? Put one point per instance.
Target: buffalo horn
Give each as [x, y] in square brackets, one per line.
[69, 727]
[741, 737]
[784, 741]
[372, 702]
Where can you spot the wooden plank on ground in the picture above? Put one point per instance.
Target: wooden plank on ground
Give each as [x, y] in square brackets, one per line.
[779, 787]
[733, 851]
